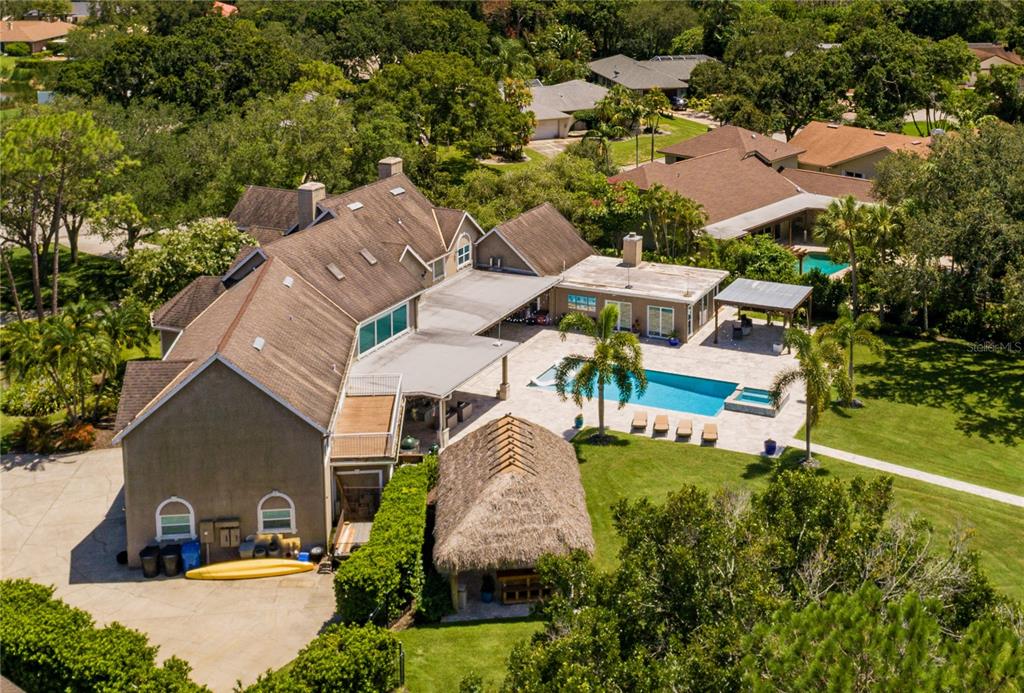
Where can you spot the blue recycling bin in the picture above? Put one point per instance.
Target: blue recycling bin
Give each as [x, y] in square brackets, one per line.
[190, 555]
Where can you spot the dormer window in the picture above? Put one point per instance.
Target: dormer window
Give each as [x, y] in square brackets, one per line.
[464, 255]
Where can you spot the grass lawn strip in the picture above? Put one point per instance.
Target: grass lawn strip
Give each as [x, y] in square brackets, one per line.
[676, 129]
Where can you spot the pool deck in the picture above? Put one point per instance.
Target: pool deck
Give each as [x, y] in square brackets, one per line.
[749, 362]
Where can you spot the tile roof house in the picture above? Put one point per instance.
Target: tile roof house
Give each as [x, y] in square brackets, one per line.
[851, 151]
[669, 73]
[553, 106]
[35, 33]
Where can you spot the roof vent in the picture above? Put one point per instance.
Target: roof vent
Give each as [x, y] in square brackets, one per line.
[336, 271]
[833, 126]
[397, 191]
[355, 205]
[368, 256]
[916, 142]
[288, 281]
[880, 134]
[258, 343]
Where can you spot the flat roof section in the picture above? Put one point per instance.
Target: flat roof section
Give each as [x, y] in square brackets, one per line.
[679, 283]
[474, 300]
[773, 296]
[739, 225]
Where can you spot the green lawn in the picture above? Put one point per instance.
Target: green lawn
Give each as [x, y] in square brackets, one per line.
[623, 152]
[438, 657]
[532, 159]
[150, 351]
[940, 407]
[635, 466]
[95, 277]
[919, 129]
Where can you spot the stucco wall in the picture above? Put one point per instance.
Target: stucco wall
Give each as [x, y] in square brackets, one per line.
[561, 306]
[466, 230]
[493, 246]
[222, 444]
[167, 338]
[864, 165]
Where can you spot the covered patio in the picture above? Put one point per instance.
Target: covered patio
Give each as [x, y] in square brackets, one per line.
[767, 297]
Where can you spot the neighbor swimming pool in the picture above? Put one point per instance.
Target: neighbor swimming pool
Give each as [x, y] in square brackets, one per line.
[822, 262]
[665, 391]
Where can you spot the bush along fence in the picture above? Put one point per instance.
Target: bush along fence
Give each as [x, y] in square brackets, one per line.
[50, 646]
[386, 575]
[342, 658]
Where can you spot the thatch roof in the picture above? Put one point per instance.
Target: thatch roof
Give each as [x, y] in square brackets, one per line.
[507, 494]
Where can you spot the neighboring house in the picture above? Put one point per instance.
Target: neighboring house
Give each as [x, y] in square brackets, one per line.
[553, 106]
[669, 73]
[741, 194]
[773, 152]
[991, 55]
[851, 151]
[35, 33]
[507, 494]
[281, 396]
[225, 9]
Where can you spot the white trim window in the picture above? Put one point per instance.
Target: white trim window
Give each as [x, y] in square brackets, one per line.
[464, 255]
[276, 513]
[437, 269]
[582, 304]
[175, 520]
[383, 328]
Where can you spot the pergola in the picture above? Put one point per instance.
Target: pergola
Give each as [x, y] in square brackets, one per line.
[770, 297]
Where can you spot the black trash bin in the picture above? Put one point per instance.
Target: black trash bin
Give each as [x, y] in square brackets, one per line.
[150, 557]
[170, 557]
[316, 554]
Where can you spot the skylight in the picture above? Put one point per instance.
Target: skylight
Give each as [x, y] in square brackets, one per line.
[288, 281]
[336, 271]
[368, 256]
[355, 205]
[258, 343]
[397, 191]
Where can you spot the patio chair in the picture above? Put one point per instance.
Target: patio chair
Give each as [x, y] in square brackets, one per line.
[710, 434]
[684, 429]
[639, 421]
[661, 425]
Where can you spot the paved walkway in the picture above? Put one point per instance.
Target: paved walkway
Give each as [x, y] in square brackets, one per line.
[910, 473]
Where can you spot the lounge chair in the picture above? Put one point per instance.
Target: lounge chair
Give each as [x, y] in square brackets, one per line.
[660, 425]
[684, 429]
[709, 434]
[639, 421]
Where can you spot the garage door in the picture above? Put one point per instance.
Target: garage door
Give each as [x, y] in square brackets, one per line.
[546, 130]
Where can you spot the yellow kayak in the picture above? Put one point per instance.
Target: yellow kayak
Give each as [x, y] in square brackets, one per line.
[249, 568]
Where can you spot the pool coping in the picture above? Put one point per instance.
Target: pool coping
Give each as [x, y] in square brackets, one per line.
[732, 403]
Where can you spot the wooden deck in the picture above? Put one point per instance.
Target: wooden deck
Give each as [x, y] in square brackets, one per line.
[366, 414]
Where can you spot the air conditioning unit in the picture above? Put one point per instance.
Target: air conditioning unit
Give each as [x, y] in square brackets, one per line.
[495, 262]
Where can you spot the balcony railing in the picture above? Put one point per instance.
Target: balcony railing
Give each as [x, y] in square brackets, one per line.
[365, 407]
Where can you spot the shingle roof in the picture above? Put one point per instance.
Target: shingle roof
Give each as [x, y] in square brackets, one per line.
[725, 183]
[565, 97]
[448, 222]
[271, 208]
[732, 137]
[185, 305]
[283, 335]
[508, 493]
[545, 239]
[143, 381]
[828, 144]
[983, 51]
[830, 184]
[31, 31]
[664, 72]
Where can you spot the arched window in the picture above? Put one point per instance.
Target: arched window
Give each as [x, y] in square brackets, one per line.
[175, 519]
[464, 255]
[276, 513]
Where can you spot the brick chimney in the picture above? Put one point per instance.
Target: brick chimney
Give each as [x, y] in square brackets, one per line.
[309, 195]
[632, 250]
[388, 167]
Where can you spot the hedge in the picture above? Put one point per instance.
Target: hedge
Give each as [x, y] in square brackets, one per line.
[47, 646]
[347, 659]
[386, 575]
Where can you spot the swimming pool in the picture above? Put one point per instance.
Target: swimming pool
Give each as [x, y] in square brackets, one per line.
[822, 262]
[665, 391]
[754, 396]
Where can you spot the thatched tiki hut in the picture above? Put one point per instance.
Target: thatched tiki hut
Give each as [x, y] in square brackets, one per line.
[507, 494]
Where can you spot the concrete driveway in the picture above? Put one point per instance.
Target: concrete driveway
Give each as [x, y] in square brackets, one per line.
[552, 148]
[63, 524]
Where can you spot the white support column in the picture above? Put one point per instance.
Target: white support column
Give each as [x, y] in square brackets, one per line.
[504, 387]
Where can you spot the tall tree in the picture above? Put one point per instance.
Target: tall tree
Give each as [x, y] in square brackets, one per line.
[673, 221]
[851, 331]
[616, 358]
[843, 227]
[653, 104]
[820, 369]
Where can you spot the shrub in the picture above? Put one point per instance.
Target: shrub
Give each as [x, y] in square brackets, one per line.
[17, 49]
[386, 574]
[964, 323]
[29, 397]
[342, 658]
[828, 293]
[35, 435]
[76, 438]
[50, 646]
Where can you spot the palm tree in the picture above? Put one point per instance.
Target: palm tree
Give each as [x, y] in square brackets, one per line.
[820, 368]
[654, 103]
[616, 358]
[841, 228]
[848, 331]
[602, 134]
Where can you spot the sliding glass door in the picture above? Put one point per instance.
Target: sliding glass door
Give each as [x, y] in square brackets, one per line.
[660, 321]
[625, 323]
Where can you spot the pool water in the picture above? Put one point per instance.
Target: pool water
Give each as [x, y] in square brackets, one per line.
[754, 396]
[822, 262]
[665, 391]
